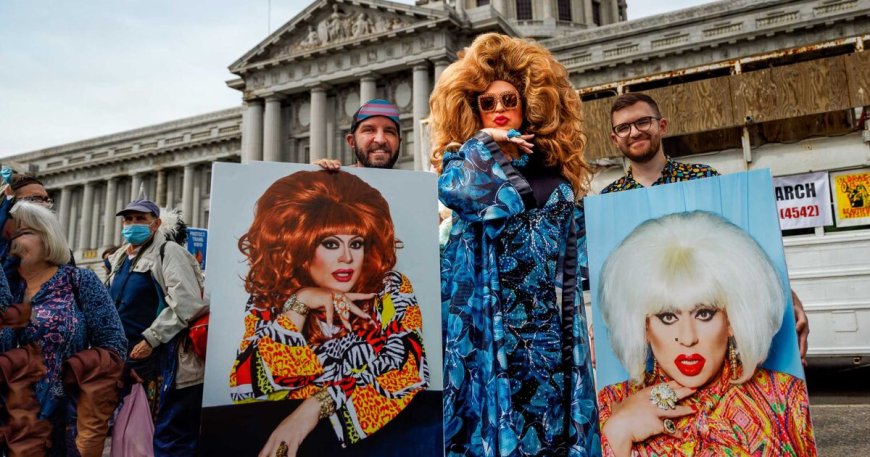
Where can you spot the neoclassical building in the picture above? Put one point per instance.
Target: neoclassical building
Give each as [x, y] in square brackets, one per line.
[779, 84]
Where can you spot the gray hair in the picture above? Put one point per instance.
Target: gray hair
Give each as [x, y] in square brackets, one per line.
[43, 221]
[678, 261]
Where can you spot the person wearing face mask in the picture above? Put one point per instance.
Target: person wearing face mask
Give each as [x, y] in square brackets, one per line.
[157, 288]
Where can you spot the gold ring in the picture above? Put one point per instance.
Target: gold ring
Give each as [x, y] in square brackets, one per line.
[663, 396]
[670, 427]
[282, 450]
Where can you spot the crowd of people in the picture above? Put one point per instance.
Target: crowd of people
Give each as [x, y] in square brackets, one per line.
[73, 347]
[507, 144]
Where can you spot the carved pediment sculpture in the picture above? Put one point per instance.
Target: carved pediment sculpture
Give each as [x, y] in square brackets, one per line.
[341, 24]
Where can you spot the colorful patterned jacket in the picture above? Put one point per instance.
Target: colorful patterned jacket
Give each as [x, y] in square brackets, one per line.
[371, 377]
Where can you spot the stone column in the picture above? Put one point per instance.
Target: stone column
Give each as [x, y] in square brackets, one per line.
[368, 88]
[547, 10]
[96, 221]
[160, 198]
[85, 223]
[197, 197]
[120, 202]
[499, 6]
[170, 189]
[187, 193]
[252, 131]
[588, 18]
[317, 128]
[73, 231]
[64, 210]
[110, 210]
[421, 110]
[613, 6]
[135, 184]
[272, 130]
[440, 66]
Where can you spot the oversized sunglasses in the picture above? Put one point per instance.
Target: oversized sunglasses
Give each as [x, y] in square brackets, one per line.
[488, 102]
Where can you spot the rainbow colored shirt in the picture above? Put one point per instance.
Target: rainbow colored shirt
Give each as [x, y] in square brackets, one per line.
[767, 416]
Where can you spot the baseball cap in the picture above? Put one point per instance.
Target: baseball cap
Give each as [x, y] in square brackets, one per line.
[372, 108]
[142, 206]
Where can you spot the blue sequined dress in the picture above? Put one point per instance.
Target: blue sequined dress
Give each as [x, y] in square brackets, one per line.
[518, 379]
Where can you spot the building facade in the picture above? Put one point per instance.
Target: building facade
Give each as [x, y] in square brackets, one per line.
[779, 84]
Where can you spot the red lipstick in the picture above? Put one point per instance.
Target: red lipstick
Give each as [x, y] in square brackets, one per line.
[690, 365]
[501, 120]
[343, 275]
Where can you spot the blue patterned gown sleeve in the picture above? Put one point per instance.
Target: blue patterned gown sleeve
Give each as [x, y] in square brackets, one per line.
[518, 379]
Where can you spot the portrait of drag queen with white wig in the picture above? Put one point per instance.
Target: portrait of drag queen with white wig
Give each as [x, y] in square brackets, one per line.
[692, 303]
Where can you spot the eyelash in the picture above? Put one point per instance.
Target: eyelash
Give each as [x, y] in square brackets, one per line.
[332, 244]
[712, 313]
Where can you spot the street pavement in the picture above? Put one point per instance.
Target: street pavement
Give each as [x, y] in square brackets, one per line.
[840, 410]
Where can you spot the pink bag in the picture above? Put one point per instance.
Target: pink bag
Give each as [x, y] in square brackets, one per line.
[133, 435]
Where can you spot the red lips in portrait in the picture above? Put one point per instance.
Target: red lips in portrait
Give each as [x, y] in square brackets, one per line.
[690, 365]
[343, 275]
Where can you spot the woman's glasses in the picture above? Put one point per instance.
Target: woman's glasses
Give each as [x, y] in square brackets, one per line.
[488, 102]
[642, 125]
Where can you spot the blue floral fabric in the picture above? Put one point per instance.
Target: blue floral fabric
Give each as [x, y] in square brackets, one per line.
[518, 379]
[67, 318]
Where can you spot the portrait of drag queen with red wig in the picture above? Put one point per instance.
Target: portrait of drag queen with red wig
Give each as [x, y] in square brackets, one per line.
[328, 320]
[692, 303]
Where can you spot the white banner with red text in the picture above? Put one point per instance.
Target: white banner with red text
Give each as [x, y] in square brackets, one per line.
[803, 201]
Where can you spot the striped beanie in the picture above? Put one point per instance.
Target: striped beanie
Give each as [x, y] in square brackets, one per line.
[376, 107]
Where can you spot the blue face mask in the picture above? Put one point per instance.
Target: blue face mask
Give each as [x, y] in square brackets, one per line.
[136, 234]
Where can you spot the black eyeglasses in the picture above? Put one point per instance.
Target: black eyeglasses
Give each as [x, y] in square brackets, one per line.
[488, 102]
[39, 200]
[642, 125]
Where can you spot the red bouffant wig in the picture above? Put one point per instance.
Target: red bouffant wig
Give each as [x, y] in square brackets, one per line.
[291, 219]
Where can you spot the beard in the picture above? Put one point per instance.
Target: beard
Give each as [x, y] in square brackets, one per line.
[644, 156]
[363, 156]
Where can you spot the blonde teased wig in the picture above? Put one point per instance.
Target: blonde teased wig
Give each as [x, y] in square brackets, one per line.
[678, 261]
[551, 107]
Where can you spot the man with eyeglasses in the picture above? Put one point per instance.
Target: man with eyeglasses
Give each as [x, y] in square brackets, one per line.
[30, 189]
[638, 129]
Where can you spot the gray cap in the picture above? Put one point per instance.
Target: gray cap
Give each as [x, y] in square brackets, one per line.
[142, 206]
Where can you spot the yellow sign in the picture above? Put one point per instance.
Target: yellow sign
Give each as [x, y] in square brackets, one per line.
[89, 254]
[852, 197]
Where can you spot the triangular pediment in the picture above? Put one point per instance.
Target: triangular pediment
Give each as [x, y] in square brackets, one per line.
[334, 24]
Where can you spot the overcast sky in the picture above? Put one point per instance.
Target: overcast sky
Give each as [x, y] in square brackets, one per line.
[73, 70]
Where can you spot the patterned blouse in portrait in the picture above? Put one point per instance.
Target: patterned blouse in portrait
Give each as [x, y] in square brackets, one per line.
[370, 377]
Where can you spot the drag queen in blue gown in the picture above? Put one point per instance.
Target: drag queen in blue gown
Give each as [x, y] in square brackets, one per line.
[508, 143]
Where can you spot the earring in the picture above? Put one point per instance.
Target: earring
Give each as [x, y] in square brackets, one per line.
[732, 357]
[655, 368]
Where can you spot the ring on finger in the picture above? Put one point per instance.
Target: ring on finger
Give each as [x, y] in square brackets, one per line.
[670, 427]
[342, 305]
[513, 133]
[282, 450]
[663, 397]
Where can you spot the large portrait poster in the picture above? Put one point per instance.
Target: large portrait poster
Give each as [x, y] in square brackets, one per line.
[325, 302]
[695, 343]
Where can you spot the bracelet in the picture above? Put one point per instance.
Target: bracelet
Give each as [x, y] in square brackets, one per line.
[293, 304]
[327, 406]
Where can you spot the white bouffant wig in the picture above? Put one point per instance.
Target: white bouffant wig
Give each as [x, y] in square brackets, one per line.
[678, 261]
